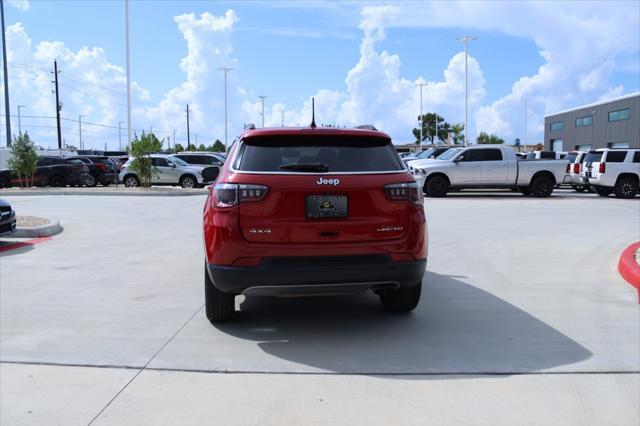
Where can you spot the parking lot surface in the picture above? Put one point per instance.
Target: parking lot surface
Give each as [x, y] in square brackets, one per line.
[523, 319]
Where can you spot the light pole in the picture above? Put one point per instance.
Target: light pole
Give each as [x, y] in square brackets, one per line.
[188, 134]
[126, 19]
[120, 135]
[262, 98]
[7, 118]
[282, 117]
[525, 124]
[80, 131]
[421, 85]
[466, 39]
[19, 121]
[226, 70]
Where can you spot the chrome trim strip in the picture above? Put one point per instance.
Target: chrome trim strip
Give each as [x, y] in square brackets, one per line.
[313, 288]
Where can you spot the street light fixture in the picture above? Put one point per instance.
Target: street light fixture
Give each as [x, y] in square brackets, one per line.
[466, 39]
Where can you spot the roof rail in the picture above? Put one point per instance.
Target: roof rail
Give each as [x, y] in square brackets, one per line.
[250, 126]
[366, 127]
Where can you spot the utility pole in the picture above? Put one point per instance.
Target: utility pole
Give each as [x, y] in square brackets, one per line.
[421, 85]
[58, 106]
[188, 135]
[226, 70]
[282, 114]
[126, 19]
[196, 141]
[262, 98]
[120, 135]
[19, 120]
[466, 39]
[174, 140]
[80, 131]
[7, 111]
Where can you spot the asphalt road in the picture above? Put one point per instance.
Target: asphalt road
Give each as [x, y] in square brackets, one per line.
[524, 320]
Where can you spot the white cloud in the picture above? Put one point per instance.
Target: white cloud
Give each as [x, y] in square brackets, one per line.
[22, 5]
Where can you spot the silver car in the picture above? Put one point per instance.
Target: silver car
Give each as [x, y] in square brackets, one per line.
[169, 170]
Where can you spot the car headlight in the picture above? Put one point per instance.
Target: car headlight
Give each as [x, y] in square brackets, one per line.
[419, 171]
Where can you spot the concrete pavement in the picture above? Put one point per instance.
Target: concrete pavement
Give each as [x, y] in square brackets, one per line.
[516, 287]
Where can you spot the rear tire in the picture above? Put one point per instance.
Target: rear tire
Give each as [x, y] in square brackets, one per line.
[541, 186]
[437, 186]
[626, 187]
[131, 181]
[602, 191]
[219, 306]
[402, 300]
[56, 181]
[91, 181]
[5, 183]
[188, 182]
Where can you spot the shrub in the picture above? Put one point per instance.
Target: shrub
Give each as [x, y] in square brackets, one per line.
[23, 158]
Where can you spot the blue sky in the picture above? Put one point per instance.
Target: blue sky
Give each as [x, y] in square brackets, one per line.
[291, 51]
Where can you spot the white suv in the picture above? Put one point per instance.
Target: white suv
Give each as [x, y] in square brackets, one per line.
[612, 171]
[170, 170]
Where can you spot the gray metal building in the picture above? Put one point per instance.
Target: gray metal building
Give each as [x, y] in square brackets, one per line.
[614, 123]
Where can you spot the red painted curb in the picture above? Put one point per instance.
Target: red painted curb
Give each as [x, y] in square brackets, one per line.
[24, 244]
[629, 268]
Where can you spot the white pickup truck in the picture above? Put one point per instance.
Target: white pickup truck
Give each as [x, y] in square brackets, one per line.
[489, 167]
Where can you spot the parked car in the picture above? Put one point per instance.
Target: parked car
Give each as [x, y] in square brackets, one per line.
[102, 170]
[612, 171]
[201, 158]
[306, 211]
[576, 160]
[546, 155]
[50, 171]
[170, 170]
[7, 219]
[434, 155]
[489, 167]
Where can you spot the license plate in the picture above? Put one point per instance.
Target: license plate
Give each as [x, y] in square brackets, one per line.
[326, 206]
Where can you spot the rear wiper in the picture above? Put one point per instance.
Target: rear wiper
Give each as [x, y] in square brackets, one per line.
[306, 167]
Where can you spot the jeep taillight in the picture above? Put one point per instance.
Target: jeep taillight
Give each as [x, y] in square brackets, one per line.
[227, 195]
[576, 168]
[602, 168]
[404, 192]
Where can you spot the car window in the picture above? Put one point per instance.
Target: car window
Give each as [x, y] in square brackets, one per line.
[472, 155]
[42, 162]
[636, 157]
[549, 155]
[491, 155]
[571, 157]
[615, 156]
[75, 161]
[187, 158]
[159, 162]
[178, 161]
[301, 153]
[594, 157]
[449, 154]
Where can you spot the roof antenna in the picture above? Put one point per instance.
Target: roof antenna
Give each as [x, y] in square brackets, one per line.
[313, 113]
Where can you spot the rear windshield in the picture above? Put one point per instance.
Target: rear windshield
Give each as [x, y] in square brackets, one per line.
[593, 157]
[318, 154]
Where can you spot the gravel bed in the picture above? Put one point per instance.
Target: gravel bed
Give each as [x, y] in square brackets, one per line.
[31, 221]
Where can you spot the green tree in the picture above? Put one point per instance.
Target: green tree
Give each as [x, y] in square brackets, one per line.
[457, 129]
[140, 150]
[218, 146]
[202, 147]
[485, 138]
[178, 148]
[429, 123]
[23, 158]
[191, 147]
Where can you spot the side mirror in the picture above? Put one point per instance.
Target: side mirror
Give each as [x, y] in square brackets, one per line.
[172, 165]
[458, 159]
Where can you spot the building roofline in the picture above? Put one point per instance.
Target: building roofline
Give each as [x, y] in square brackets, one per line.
[631, 95]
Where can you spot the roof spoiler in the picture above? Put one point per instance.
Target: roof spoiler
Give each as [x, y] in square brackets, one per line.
[366, 127]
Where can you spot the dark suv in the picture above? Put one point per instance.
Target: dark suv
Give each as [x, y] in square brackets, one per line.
[50, 171]
[102, 170]
[313, 211]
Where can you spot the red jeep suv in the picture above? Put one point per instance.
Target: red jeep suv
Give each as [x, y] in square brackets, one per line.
[313, 211]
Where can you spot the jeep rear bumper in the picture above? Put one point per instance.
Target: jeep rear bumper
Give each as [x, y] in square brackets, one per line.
[306, 276]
